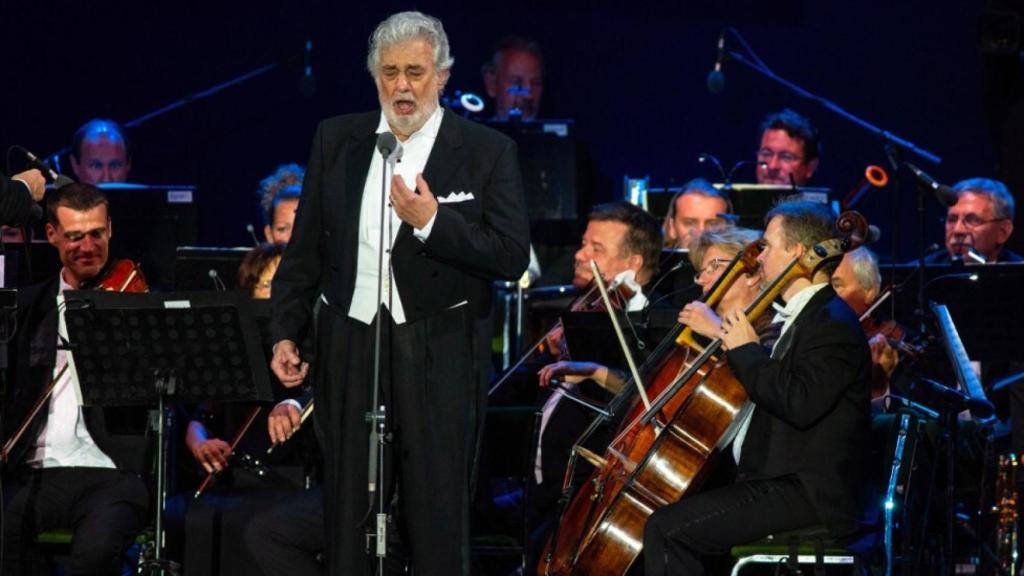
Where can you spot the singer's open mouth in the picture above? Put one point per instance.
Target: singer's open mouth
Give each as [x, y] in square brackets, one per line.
[405, 106]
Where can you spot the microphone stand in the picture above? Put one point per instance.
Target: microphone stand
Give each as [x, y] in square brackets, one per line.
[376, 417]
[886, 135]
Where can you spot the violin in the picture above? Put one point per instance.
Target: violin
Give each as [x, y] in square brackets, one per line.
[891, 330]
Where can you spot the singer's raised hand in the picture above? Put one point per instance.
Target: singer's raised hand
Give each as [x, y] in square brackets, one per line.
[414, 207]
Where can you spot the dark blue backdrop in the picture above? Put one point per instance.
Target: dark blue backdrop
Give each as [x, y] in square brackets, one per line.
[632, 77]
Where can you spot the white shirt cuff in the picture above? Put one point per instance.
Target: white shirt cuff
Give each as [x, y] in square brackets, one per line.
[424, 233]
[291, 401]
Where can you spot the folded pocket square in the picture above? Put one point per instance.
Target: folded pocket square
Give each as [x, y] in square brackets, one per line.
[454, 197]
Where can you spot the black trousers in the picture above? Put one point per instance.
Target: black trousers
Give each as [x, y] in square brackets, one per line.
[286, 537]
[105, 508]
[679, 536]
[431, 389]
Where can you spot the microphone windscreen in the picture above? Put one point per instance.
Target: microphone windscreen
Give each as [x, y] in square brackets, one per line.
[716, 82]
[874, 234]
[945, 195]
[386, 143]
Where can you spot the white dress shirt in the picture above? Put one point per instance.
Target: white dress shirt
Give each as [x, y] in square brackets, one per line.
[407, 161]
[64, 440]
[785, 314]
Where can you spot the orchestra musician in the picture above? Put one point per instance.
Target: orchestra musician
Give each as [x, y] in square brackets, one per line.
[802, 452]
[698, 207]
[458, 221]
[68, 472]
[981, 221]
[17, 194]
[789, 150]
[625, 242]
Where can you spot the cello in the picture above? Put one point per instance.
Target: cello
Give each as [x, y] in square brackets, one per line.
[662, 453]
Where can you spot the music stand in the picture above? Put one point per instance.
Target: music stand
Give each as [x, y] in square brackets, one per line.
[980, 301]
[145, 349]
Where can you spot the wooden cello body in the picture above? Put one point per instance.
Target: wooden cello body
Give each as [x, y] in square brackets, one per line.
[661, 454]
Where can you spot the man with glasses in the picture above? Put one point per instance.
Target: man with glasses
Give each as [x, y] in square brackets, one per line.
[698, 207]
[979, 224]
[789, 151]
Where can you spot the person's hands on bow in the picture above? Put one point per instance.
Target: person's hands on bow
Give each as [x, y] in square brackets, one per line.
[211, 453]
[883, 355]
[283, 421]
[701, 318]
[414, 207]
[287, 365]
[736, 330]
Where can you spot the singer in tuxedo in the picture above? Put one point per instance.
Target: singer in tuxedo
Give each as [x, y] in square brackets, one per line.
[456, 220]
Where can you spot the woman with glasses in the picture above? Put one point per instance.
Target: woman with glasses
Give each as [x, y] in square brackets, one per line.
[711, 253]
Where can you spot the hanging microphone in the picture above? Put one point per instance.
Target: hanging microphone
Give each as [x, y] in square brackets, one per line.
[716, 78]
[944, 194]
[252, 232]
[307, 86]
[386, 144]
[218, 284]
[874, 234]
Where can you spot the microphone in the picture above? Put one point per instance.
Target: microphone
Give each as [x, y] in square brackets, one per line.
[307, 85]
[51, 176]
[386, 144]
[252, 232]
[981, 408]
[218, 284]
[716, 78]
[944, 194]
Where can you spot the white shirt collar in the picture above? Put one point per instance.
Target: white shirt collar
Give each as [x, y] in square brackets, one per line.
[796, 303]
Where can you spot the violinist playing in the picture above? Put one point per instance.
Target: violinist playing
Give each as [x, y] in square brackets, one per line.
[625, 242]
[802, 451]
[858, 282]
[68, 471]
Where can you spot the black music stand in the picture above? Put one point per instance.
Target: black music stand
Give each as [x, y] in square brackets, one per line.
[146, 349]
[980, 299]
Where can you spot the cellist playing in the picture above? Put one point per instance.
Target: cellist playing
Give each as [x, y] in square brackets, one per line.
[66, 471]
[802, 454]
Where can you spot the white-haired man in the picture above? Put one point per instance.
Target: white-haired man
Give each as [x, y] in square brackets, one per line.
[456, 221]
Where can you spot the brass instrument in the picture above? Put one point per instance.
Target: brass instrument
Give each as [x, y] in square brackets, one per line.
[1006, 515]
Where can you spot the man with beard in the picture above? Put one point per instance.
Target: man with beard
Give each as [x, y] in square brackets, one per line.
[456, 222]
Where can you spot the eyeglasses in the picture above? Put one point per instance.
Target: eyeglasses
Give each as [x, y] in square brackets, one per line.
[766, 155]
[710, 268]
[969, 220]
[712, 224]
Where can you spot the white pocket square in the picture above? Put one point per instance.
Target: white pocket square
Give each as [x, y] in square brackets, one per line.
[454, 197]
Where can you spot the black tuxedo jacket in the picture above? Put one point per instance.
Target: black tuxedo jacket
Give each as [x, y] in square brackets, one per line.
[119, 432]
[812, 414]
[15, 202]
[471, 244]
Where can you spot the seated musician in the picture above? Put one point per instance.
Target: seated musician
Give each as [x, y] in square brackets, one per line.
[858, 282]
[789, 150]
[264, 482]
[279, 197]
[698, 207]
[981, 220]
[802, 452]
[624, 241]
[68, 471]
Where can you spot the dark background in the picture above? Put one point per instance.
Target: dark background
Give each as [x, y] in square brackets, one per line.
[944, 75]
